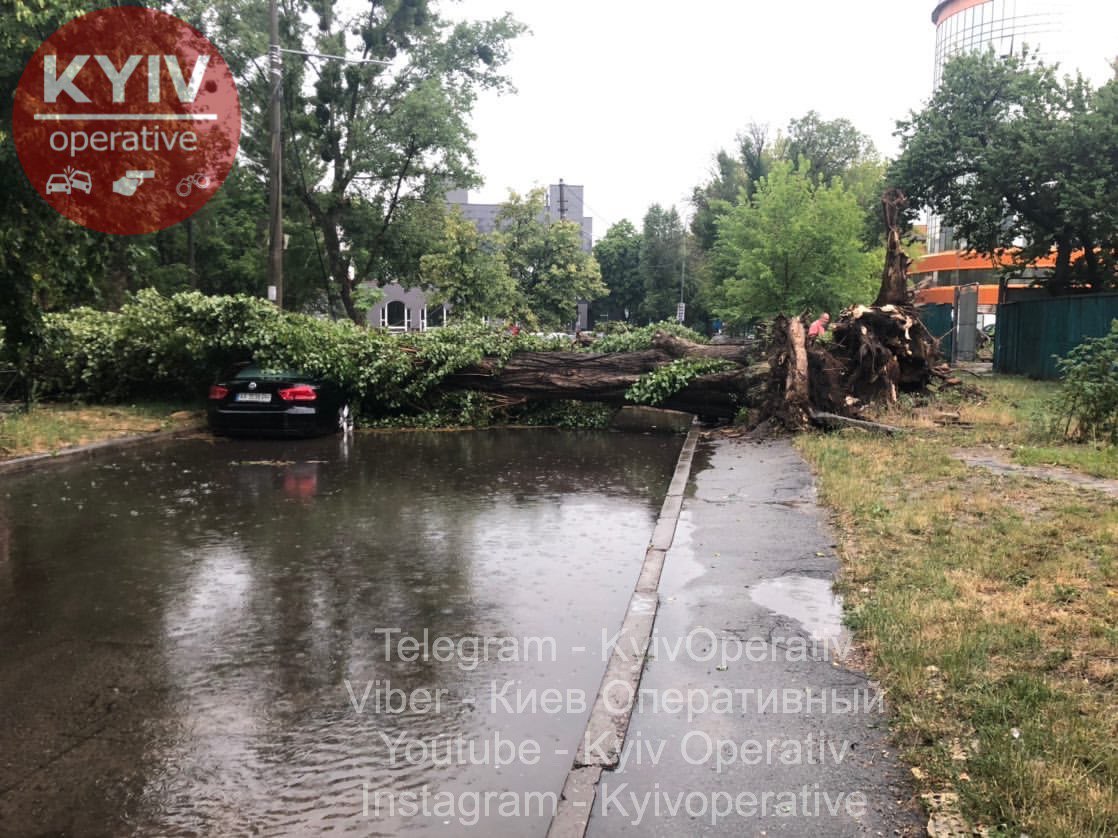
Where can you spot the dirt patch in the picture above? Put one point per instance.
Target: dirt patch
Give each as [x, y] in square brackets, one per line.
[993, 462]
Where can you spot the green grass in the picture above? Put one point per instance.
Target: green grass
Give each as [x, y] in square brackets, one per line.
[1096, 460]
[48, 428]
[988, 607]
[1015, 415]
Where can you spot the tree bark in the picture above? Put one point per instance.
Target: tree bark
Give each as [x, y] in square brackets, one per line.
[894, 278]
[680, 348]
[583, 376]
[797, 403]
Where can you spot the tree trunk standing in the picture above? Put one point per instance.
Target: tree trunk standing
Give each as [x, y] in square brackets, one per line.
[797, 403]
[337, 264]
[894, 279]
[1061, 272]
[1091, 261]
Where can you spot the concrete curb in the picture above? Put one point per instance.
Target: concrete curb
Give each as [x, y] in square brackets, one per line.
[604, 736]
[92, 450]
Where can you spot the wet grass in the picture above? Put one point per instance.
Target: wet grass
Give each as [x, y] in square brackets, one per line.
[48, 428]
[988, 608]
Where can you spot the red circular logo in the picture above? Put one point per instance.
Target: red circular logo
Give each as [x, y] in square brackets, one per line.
[127, 120]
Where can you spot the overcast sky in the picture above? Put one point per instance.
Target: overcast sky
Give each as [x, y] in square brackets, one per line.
[633, 98]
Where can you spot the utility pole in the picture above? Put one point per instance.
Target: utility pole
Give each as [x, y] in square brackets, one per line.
[275, 174]
[190, 266]
[275, 168]
[683, 267]
[562, 200]
[681, 310]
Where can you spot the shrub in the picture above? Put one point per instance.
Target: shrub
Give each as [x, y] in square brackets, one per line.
[1089, 403]
[636, 339]
[657, 386]
[174, 347]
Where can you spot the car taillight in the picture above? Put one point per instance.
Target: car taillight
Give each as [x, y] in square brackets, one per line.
[298, 393]
[218, 392]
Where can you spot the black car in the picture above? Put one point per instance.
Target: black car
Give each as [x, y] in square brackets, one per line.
[255, 401]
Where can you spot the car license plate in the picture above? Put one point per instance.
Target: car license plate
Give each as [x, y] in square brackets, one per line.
[254, 397]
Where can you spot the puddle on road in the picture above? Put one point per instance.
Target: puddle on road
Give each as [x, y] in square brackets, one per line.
[808, 600]
[357, 635]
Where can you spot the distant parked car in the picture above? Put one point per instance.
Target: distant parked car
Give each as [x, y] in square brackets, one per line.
[253, 401]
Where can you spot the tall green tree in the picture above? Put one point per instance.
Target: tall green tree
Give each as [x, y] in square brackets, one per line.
[370, 149]
[661, 262]
[831, 148]
[716, 196]
[46, 261]
[619, 256]
[468, 271]
[794, 246]
[1019, 162]
[828, 149]
[546, 260]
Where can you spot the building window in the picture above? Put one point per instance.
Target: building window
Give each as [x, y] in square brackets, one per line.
[432, 318]
[396, 317]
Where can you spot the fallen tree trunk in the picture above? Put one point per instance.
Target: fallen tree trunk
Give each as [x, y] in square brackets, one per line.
[605, 377]
[679, 348]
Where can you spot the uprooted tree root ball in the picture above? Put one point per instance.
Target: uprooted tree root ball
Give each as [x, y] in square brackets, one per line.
[875, 352]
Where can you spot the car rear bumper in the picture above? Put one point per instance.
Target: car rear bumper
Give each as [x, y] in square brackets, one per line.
[294, 421]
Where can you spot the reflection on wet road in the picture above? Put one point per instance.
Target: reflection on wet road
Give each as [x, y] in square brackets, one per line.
[294, 638]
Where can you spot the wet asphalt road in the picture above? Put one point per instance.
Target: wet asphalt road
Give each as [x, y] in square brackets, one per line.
[211, 637]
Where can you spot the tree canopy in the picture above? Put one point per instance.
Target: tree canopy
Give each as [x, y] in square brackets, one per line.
[468, 271]
[794, 246]
[1020, 162]
[546, 260]
[661, 262]
[619, 257]
[46, 261]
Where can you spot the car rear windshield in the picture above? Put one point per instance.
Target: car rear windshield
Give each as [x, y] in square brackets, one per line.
[257, 372]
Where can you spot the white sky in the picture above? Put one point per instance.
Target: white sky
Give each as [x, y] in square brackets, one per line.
[633, 99]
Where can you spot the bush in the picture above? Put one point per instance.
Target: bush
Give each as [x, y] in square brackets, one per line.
[635, 339]
[173, 348]
[1089, 402]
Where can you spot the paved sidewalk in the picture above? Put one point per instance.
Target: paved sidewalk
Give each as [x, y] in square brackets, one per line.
[748, 723]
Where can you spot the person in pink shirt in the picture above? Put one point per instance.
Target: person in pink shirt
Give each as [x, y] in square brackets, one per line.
[819, 326]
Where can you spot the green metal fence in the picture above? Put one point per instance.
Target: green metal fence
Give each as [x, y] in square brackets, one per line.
[938, 319]
[1032, 334]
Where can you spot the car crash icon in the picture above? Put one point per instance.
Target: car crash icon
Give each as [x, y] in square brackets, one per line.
[69, 181]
